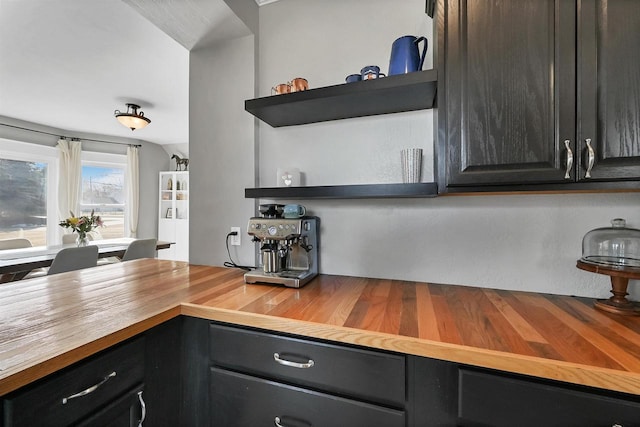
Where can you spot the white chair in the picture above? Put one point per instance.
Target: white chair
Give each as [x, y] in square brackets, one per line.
[142, 248]
[16, 243]
[69, 238]
[70, 259]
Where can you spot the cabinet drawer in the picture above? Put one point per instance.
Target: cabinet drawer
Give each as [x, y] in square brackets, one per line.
[42, 403]
[241, 400]
[368, 375]
[487, 399]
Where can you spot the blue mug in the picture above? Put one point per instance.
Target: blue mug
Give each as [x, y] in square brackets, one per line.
[371, 72]
[406, 56]
[353, 78]
[294, 211]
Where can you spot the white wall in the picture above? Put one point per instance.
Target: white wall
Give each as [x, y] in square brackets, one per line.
[526, 242]
[152, 160]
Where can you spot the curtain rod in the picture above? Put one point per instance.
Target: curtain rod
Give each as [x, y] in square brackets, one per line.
[71, 138]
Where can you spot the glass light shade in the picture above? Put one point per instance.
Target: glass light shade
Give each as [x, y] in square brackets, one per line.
[132, 118]
[133, 122]
[616, 246]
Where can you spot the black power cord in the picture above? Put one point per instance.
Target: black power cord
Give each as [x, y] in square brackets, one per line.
[231, 263]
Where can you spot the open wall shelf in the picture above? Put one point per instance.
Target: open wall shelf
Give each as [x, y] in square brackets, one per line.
[393, 94]
[365, 191]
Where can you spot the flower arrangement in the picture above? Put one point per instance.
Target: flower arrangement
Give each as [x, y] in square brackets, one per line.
[82, 225]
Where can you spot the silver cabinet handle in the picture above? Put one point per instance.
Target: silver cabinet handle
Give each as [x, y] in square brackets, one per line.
[89, 390]
[143, 406]
[278, 422]
[591, 158]
[567, 174]
[285, 362]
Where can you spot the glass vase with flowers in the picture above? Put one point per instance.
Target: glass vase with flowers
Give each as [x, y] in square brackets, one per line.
[82, 225]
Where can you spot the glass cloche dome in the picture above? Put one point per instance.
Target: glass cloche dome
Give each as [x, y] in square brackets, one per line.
[616, 246]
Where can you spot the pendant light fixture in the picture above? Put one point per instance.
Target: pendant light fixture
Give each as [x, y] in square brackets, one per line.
[132, 118]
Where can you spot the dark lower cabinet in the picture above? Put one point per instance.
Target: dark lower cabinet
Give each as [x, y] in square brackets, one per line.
[259, 378]
[127, 411]
[105, 386]
[239, 400]
[491, 400]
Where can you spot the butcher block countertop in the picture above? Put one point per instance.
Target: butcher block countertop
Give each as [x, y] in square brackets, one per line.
[51, 322]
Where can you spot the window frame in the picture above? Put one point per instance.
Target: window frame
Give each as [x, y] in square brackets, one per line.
[29, 152]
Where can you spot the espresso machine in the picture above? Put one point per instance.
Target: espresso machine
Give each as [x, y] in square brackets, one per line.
[288, 247]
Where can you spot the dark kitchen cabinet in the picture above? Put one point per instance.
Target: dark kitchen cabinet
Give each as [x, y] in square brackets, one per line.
[538, 94]
[260, 378]
[107, 386]
[496, 400]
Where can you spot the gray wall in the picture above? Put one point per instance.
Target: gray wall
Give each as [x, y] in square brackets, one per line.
[525, 242]
[221, 147]
[152, 160]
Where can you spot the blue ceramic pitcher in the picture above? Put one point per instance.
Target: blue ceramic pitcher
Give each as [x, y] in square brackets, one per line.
[406, 56]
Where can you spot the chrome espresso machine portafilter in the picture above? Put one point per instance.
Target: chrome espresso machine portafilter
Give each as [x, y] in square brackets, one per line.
[288, 247]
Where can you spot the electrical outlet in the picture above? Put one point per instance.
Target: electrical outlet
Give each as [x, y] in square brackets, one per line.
[235, 240]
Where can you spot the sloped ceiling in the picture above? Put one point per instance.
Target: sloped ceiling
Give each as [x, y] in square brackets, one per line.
[70, 63]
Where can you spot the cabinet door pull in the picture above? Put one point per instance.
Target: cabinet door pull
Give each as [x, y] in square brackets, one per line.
[567, 174]
[143, 406]
[278, 422]
[89, 390]
[277, 358]
[591, 158]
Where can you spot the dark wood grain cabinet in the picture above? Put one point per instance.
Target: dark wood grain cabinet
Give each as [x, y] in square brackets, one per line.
[257, 378]
[106, 389]
[538, 92]
[490, 399]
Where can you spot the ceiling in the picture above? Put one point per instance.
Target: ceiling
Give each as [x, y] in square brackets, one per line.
[69, 64]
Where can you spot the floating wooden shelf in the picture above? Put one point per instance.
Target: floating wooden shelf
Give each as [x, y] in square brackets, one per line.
[365, 191]
[393, 94]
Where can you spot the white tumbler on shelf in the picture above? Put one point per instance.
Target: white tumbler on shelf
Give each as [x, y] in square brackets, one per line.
[411, 165]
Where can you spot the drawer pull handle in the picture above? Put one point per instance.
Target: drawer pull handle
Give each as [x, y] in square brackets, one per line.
[567, 173]
[90, 389]
[278, 422]
[285, 362]
[143, 406]
[590, 159]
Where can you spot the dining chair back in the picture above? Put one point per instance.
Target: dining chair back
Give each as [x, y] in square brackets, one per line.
[142, 248]
[16, 243]
[70, 259]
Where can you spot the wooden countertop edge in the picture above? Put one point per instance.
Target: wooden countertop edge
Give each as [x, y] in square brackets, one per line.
[610, 379]
[40, 369]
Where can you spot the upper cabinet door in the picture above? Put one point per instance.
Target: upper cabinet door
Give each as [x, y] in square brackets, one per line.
[509, 86]
[609, 82]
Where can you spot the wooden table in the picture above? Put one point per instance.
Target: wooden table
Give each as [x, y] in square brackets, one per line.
[24, 260]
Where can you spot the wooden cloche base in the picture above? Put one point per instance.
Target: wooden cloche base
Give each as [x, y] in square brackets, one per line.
[618, 303]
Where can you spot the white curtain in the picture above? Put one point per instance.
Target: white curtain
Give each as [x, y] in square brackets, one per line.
[133, 184]
[69, 177]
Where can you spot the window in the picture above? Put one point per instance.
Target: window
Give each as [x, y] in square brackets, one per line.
[27, 192]
[103, 190]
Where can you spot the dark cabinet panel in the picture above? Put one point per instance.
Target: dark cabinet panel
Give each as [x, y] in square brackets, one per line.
[609, 81]
[367, 375]
[539, 94]
[127, 411]
[239, 400]
[492, 400]
[507, 109]
[78, 391]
